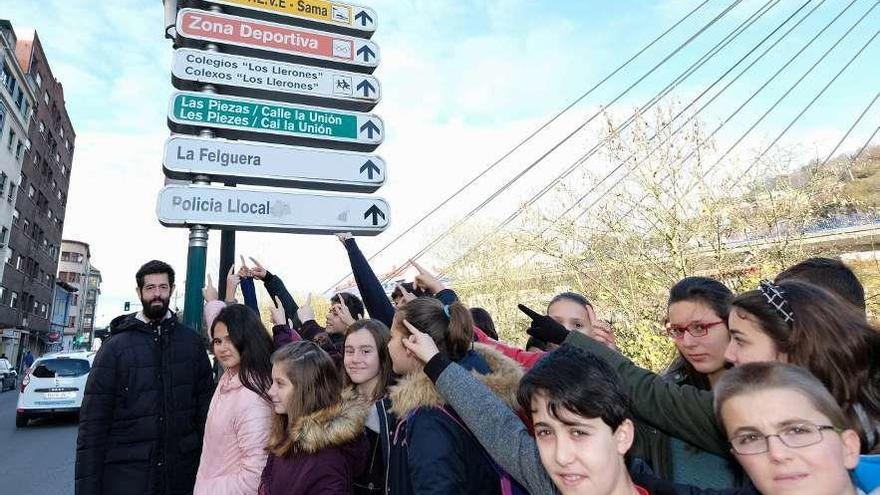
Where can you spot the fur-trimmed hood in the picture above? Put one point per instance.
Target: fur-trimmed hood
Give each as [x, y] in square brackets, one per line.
[416, 390]
[334, 426]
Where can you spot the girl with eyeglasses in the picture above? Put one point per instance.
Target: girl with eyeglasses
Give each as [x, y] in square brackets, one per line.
[696, 322]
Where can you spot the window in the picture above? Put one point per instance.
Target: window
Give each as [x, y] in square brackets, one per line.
[19, 148]
[4, 295]
[19, 262]
[67, 145]
[15, 215]
[61, 132]
[11, 139]
[2, 115]
[26, 227]
[3, 233]
[46, 98]
[72, 322]
[6, 78]
[31, 191]
[42, 128]
[63, 169]
[68, 368]
[39, 79]
[11, 195]
[57, 157]
[74, 300]
[10, 256]
[13, 299]
[43, 310]
[3, 178]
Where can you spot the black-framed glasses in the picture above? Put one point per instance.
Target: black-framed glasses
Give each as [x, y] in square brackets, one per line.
[794, 436]
[695, 329]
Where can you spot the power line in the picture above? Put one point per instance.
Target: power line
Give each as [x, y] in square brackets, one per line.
[853, 126]
[541, 128]
[753, 95]
[800, 114]
[583, 158]
[680, 78]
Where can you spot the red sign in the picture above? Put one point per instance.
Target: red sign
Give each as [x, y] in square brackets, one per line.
[54, 336]
[278, 38]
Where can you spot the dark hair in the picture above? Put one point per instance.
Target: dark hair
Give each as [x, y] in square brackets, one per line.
[829, 336]
[578, 382]
[483, 321]
[381, 336]
[253, 344]
[411, 288]
[711, 293]
[152, 268]
[453, 334]
[353, 302]
[570, 296]
[830, 274]
[316, 386]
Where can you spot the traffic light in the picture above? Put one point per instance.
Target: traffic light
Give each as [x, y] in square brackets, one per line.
[127, 306]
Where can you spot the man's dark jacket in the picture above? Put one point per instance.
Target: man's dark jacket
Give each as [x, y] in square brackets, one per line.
[144, 409]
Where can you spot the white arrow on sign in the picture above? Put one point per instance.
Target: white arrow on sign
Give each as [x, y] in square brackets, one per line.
[247, 162]
[293, 80]
[271, 210]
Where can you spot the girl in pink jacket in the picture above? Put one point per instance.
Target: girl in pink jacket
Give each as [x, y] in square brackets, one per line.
[237, 430]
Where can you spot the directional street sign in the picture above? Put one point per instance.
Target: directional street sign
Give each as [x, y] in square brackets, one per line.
[274, 40]
[271, 210]
[245, 162]
[354, 18]
[234, 116]
[243, 75]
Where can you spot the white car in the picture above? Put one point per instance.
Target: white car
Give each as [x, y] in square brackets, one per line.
[54, 385]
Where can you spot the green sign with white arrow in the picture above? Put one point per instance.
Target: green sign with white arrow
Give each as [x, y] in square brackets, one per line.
[237, 117]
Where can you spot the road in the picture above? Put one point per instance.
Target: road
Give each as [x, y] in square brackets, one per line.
[37, 460]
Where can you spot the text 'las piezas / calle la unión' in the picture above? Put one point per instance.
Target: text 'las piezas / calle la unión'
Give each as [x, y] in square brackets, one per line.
[255, 115]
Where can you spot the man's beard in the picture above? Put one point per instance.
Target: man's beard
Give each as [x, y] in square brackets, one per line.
[155, 311]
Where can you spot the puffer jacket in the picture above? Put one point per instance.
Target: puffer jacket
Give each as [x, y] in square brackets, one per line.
[432, 451]
[329, 452]
[143, 411]
[234, 451]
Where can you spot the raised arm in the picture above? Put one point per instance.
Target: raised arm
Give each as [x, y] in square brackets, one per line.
[276, 288]
[497, 427]
[372, 293]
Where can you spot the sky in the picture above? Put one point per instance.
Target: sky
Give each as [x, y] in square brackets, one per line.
[463, 82]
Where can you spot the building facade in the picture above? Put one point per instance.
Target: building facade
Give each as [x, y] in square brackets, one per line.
[90, 305]
[17, 97]
[75, 269]
[39, 210]
[61, 311]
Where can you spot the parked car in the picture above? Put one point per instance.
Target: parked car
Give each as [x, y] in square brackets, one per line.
[54, 385]
[8, 375]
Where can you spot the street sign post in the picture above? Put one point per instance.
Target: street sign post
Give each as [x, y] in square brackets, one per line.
[271, 210]
[246, 76]
[246, 162]
[358, 20]
[234, 116]
[253, 72]
[278, 41]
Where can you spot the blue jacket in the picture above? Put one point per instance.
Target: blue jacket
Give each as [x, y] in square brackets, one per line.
[432, 452]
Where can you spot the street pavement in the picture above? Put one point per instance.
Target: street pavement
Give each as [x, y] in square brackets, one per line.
[38, 459]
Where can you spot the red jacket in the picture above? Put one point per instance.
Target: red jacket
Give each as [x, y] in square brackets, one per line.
[526, 359]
